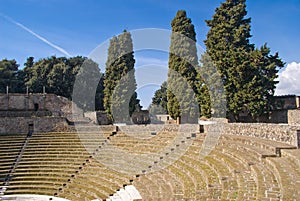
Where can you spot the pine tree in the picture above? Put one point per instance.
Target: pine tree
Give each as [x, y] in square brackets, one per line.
[229, 47]
[264, 82]
[120, 98]
[183, 62]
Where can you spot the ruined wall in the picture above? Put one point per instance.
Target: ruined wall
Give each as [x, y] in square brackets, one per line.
[22, 101]
[17, 125]
[58, 106]
[45, 111]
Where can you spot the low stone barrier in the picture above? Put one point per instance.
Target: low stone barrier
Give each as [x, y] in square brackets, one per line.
[276, 132]
[190, 128]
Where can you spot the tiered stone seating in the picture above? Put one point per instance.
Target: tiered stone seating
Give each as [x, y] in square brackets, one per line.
[46, 164]
[287, 169]
[98, 164]
[238, 182]
[93, 181]
[10, 147]
[160, 185]
[59, 164]
[237, 169]
[141, 145]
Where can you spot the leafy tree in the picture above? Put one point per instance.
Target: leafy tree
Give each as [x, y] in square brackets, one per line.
[183, 62]
[87, 91]
[234, 56]
[8, 75]
[120, 98]
[160, 100]
[39, 75]
[23, 75]
[58, 76]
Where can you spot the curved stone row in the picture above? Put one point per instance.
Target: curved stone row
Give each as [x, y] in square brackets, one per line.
[235, 170]
[53, 163]
[69, 165]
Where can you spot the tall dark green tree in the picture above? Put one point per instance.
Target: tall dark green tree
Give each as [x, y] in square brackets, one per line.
[8, 75]
[183, 62]
[229, 47]
[99, 105]
[159, 103]
[264, 82]
[87, 90]
[24, 75]
[213, 88]
[110, 77]
[120, 98]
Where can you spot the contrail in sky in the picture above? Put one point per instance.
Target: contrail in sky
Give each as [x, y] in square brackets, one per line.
[36, 35]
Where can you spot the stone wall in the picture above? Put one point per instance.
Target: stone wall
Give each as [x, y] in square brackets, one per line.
[294, 117]
[58, 106]
[276, 132]
[17, 125]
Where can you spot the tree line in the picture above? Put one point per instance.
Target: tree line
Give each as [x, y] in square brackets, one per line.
[56, 74]
[231, 63]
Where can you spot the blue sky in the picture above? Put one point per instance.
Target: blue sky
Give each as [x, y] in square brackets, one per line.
[77, 27]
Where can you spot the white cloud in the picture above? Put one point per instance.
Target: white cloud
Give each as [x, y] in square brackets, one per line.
[289, 80]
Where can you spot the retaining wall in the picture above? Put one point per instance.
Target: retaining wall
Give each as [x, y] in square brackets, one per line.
[14, 125]
[277, 132]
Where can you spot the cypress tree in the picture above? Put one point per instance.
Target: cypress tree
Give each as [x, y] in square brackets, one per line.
[110, 77]
[183, 62]
[120, 98]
